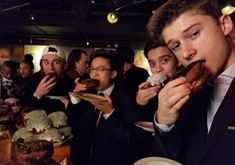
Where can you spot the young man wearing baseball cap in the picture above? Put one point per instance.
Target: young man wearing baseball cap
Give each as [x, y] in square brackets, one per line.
[50, 86]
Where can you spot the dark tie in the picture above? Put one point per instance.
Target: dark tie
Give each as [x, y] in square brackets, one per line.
[98, 113]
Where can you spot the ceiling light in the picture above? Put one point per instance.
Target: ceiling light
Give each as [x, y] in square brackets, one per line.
[32, 17]
[112, 17]
[228, 9]
[93, 1]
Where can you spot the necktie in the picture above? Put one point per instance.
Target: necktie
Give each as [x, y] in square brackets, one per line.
[98, 113]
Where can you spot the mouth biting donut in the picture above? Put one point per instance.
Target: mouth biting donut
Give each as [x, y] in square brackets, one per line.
[91, 83]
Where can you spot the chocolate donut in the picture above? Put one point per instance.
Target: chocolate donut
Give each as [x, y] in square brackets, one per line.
[51, 75]
[196, 74]
[91, 83]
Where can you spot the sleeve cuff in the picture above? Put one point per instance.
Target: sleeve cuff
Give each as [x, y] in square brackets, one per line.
[106, 116]
[74, 100]
[162, 127]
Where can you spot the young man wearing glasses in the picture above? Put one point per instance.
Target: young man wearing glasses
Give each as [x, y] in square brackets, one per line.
[107, 139]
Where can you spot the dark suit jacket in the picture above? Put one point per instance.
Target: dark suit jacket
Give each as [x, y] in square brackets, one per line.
[132, 79]
[113, 141]
[189, 141]
[146, 112]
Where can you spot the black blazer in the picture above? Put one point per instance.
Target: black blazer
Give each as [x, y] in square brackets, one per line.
[189, 141]
[113, 141]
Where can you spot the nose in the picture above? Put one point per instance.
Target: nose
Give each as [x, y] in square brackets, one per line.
[188, 51]
[157, 68]
[93, 73]
[51, 66]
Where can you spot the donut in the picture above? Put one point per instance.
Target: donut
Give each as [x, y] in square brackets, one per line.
[196, 74]
[90, 83]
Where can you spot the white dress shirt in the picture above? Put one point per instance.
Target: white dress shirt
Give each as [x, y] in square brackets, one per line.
[221, 85]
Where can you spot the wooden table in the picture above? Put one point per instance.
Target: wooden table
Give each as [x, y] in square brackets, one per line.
[62, 154]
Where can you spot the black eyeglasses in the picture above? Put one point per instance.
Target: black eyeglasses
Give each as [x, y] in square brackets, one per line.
[99, 69]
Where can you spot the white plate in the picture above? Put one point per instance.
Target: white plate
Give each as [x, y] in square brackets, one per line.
[55, 97]
[156, 161]
[145, 125]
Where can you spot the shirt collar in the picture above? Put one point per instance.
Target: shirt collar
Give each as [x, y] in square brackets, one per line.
[80, 73]
[228, 75]
[108, 91]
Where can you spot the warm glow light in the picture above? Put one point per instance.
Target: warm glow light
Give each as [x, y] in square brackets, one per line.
[228, 9]
[141, 61]
[112, 17]
[36, 51]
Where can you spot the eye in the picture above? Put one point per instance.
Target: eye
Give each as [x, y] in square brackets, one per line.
[175, 47]
[194, 35]
[101, 69]
[165, 60]
[45, 62]
[152, 63]
[57, 62]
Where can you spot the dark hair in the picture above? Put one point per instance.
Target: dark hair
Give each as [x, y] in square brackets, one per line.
[73, 57]
[13, 65]
[172, 9]
[28, 58]
[127, 54]
[111, 55]
[152, 44]
[8, 64]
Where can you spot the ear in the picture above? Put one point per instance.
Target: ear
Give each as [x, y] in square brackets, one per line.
[113, 74]
[226, 24]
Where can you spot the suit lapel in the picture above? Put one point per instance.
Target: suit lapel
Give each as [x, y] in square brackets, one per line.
[221, 121]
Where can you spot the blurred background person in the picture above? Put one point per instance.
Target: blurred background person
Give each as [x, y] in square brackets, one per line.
[132, 75]
[77, 64]
[8, 75]
[26, 69]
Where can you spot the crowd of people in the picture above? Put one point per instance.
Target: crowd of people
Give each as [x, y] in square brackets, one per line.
[189, 127]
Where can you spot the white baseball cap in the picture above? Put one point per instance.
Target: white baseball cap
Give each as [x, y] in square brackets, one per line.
[54, 50]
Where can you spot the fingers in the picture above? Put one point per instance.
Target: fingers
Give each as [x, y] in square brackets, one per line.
[105, 107]
[144, 95]
[79, 87]
[176, 82]
[144, 85]
[171, 98]
[108, 98]
[180, 103]
[49, 77]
